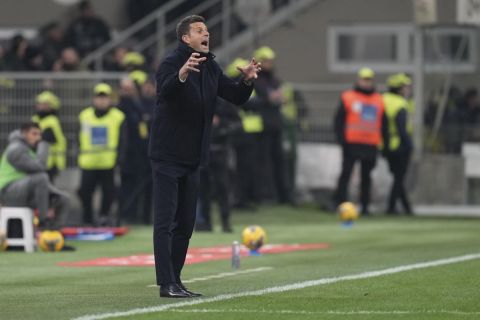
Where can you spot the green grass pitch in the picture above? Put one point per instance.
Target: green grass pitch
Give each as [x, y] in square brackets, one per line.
[32, 286]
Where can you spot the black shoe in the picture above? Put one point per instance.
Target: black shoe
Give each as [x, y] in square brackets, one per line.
[173, 290]
[68, 248]
[191, 293]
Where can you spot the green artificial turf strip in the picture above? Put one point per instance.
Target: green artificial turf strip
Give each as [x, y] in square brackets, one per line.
[33, 287]
[435, 293]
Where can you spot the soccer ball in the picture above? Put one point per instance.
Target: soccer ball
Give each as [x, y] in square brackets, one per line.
[51, 241]
[3, 241]
[347, 211]
[253, 237]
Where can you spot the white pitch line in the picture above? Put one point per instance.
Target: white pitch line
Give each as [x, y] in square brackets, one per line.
[288, 287]
[333, 312]
[222, 275]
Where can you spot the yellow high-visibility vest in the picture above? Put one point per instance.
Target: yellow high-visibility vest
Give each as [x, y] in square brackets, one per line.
[394, 103]
[252, 122]
[9, 173]
[57, 152]
[99, 138]
[289, 108]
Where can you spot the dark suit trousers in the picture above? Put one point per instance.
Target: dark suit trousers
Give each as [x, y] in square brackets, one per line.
[175, 191]
[90, 180]
[398, 163]
[368, 161]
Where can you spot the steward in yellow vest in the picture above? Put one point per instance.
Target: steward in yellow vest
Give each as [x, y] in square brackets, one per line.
[247, 146]
[47, 106]
[398, 148]
[252, 121]
[290, 113]
[136, 173]
[397, 111]
[270, 99]
[101, 130]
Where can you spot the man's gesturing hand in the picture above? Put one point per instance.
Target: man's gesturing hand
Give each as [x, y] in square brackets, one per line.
[190, 65]
[250, 71]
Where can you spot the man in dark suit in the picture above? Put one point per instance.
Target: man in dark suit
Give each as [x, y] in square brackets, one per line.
[188, 83]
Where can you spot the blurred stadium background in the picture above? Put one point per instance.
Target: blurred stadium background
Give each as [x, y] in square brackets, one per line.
[319, 44]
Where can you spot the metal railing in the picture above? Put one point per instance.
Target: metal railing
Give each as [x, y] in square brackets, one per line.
[75, 90]
[163, 24]
[18, 92]
[155, 33]
[318, 103]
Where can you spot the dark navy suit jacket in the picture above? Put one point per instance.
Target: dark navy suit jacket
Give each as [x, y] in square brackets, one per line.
[182, 122]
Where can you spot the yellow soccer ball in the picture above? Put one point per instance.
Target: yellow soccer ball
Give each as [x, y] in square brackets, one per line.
[3, 241]
[51, 241]
[347, 211]
[253, 237]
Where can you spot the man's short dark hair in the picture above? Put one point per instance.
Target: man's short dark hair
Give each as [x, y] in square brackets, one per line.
[183, 27]
[27, 126]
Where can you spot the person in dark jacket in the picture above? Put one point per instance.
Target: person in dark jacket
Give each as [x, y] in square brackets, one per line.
[188, 83]
[400, 145]
[246, 143]
[270, 99]
[51, 44]
[88, 31]
[15, 58]
[136, 186]
[215, 180]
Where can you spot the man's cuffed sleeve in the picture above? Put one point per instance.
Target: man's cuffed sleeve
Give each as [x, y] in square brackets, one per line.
[168, 80]
[235, 92]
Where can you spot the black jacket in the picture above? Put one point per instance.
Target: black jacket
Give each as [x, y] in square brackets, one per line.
[86, 34]
[270, 111]
[182, 122]
[136, 111]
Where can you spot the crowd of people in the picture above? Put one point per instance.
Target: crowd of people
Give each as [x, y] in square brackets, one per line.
[451, 118]
[253, 150]
[57, 48]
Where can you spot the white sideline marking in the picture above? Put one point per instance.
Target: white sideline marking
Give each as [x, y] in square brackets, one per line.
[288, 287]
[222, 275]
[334, 312]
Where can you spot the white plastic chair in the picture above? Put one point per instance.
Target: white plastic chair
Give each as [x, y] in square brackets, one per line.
[25, 215]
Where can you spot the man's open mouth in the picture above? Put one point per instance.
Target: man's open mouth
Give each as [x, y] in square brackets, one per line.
[205, 43]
